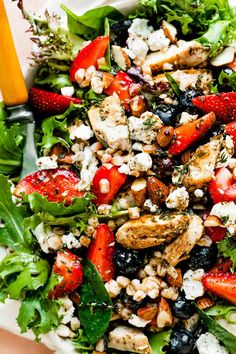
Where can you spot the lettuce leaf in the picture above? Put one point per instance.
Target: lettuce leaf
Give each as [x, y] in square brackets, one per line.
[222, 310]
[39, 314]
[91, 23]
[159, 340]
[228, 79]
[55, 81]
[227, 248]
[81, 343]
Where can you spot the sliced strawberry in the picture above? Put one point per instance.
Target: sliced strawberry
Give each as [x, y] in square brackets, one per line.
[68, 266]
[216, 233]
[101, 252]
[89, 55]
[222, 266]
[188, 134]
[222, 188]
[121, 85]
[222, 104]
[58, 185]
[222, 285]
[231, 130]
[49, 103]
[115, 181]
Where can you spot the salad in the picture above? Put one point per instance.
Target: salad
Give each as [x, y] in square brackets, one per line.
[124, 239]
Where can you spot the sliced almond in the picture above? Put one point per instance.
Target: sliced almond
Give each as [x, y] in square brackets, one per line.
[170, 31]
[107, 79]
[120, 57]
[138, 191]
[225, 57]
[213, 221]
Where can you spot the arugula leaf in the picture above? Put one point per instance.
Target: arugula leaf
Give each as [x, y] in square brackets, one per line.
[95, 309]
[81, 344]
[11, 149]
[21, 272]
[159, 340]
[55, 81]
[227, 338]
[39, 204]
[228, 79]
[174, 85]
[38, 314]
[227, 248]
[91, 23]
[3, 112]
[12, 216]
[222, 310]
[58, 124]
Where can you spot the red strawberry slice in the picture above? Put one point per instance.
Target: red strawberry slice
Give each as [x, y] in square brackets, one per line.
[187, 134]
[115, 179]
[49, 103]
[222, 104]
[222, 188]
[101, 252]
[216, 233]
[230, 129]
[89, 55]
[68, 266]
[222, 285]
[58, 185]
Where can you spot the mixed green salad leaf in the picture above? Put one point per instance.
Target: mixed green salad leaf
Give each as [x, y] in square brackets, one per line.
[227, 248]
[158, 341]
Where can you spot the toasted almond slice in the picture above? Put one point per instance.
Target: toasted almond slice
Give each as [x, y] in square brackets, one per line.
[170, 31]
[138, 191]
[120, 57]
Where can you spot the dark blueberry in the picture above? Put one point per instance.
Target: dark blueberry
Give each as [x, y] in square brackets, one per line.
[182, 308]
[162, 166]
[202, 257]
[186, 97]
[167, 113]
[120, 30]
[128, 261]
[128, 301]
[181, 342]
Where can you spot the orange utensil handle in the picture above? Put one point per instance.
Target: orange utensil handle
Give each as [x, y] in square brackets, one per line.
[12, 82]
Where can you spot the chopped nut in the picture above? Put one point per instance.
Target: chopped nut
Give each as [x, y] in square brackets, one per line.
[150, 149]
[213, 221]
[74, 323]
[104, 186]
[134, 89]
[101, 62]
[134, 213]
[175, 281]
[185, 157]
[205, 302]
[85, 241]
[147, 313]
[170, 293]
[158, 191]
[170, 31]
[138, 191]
[139, 295]
[234, 173]
[164, 316]
[165, 136]
[137, 105]
[120, 57]
[107, 79]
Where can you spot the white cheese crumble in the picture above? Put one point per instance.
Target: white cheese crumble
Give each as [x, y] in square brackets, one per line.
[83, 132]
[137, 321]
[153, 208]
[47, 162]
[139, 49]
[140, 162]
[145, 128]
[226, 211]
[207, 343]
[178, 199]
[186, 118]
[198, 193]
[192, 285]
[158, 41]
[67, 91]
[140, 28]
[88, 170]
[70, 241]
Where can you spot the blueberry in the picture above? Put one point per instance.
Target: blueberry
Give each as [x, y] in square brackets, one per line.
[203, 257]
[128, 301]
[186, 99]
[182, 308]
[120, 30]
[128, 261]
[167, 113]
[181, 342]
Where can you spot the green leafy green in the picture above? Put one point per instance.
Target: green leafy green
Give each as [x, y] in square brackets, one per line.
[159, 340]
[81, 343]
[222, 310]
[38, 314]
[21, 272]
[11, 149]
[227, 338]
[55, 129]
[228, 79]
[55, 81]
[12, 217]
[91, 23]
[3, 112]
[95, 309]
[39, 204]
[227, 248]
[174, 85]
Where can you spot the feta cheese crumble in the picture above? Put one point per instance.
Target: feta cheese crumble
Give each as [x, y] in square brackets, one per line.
[226, 211]
[47, 162]
[140, 162]
[207, 343]
[83, 132]
[67, 91]
[192, 285]
[178, 199]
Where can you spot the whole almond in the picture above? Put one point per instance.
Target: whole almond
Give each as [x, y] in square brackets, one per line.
[137, 105]
[165, 136]
[157, 191]
[147, 313]
[138, 191]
